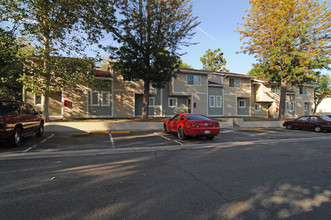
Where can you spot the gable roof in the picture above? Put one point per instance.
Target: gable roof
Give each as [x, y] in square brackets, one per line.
[102, 73]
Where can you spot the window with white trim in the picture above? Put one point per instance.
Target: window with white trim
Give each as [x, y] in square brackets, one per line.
[151, 102]
[257, 107]
[172, 102]
[303, 91]
[274, 89]
[212, 101]
[105, 98]
[194, 80]
[37, 99]
[242, 104]
[234, 83]
[219, 101]
[290, 106]
[94, 98]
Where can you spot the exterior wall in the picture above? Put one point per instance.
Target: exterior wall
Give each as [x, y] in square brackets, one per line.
[179, 85]
[243, 111]
[230, 105]
[77, 103]
[232, 96]
[182, 106]
[54, 105]
[100, 110]
[124, 104]
[215, 111]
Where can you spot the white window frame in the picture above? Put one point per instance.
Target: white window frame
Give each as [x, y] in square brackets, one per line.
[303, 91]
[172, 106]
[274, 89]
[193, 80]
[102, 93]
[257, 107]
[91, 98]
[290, 106]
[242, 106]
[220, 105]
[212, 104]
[38, 104]
[149, 101]
[236, 83]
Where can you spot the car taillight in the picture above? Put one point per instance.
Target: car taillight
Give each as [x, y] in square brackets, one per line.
[195, 125]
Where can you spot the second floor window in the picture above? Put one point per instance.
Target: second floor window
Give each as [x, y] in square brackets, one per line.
[275, 89]
[290, 106]
[234, 83]
[242, 104]
[194, 80]
[303, 91]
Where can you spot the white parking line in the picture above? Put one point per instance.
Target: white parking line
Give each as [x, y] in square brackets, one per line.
[168, 138]
[47, 138]
[30, 148]
[111, 140]
[34, 146]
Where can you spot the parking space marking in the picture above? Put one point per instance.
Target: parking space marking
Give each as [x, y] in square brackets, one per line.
[111, 140]
[34, 146]
[47, 138]
[30, 148]
[168, 138]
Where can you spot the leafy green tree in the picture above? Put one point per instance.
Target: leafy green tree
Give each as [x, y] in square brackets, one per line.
[150, 33]
[322, 90]
[214, 60]
[10, 66]
[184, 65]
[58, 26]
[290, 40]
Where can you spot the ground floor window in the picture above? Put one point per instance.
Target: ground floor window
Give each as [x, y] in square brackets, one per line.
[172, 102]
[212, 101]
[257, 107]
[242, 104]
[219, 101]
[290, 106]
[94, 98]
[105, 98]
[37, 99]
[151, 102]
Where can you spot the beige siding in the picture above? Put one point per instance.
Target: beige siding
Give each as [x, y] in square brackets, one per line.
[77, 103]
[245, 87]
[124, 104]
[230, 105]
[179, 85]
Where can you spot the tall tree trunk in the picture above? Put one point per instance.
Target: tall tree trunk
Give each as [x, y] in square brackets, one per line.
[47, 70]
[144, 115]
[282, 101]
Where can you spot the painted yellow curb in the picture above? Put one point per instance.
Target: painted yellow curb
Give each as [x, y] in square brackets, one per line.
[99, 132]
[120, 132]
[252, 129]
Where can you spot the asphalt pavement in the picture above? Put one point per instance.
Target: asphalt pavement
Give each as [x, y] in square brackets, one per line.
[239, 175]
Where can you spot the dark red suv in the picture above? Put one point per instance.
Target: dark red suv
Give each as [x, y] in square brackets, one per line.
[18, 119]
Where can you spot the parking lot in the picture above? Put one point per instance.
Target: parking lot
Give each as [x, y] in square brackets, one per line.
[58, 141]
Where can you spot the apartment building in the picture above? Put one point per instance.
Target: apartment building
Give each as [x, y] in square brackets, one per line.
[215, 94]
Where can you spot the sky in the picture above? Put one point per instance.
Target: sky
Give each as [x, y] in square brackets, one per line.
[219, 19]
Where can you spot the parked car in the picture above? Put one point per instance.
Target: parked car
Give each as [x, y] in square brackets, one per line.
[187, 124]
[310, 122]
[18, 119]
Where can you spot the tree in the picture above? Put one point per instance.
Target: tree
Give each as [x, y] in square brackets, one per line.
[322, 90]
[184, 65]
[214, 61]
[10, 66]
[58, 26]
[150, 33]
[290, 40]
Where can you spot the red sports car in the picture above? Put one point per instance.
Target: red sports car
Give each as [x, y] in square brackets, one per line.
[187, 124]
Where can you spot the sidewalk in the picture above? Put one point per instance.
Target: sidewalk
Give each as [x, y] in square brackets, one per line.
[88, 127]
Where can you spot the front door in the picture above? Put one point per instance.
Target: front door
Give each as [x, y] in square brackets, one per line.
[189, 105]
[307, 109]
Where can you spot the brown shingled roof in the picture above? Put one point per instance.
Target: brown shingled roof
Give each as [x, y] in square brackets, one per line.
[102, 73]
